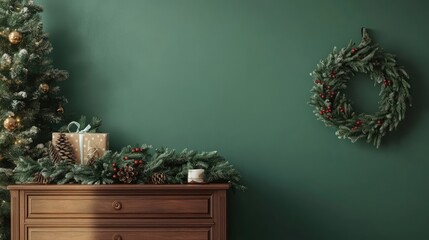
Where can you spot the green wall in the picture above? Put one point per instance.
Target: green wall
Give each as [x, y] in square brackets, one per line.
[233, 76]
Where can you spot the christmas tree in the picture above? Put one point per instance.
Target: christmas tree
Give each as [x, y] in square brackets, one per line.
[30, 100]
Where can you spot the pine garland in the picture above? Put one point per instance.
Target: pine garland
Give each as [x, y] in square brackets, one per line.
[334, 109]
[171, 164]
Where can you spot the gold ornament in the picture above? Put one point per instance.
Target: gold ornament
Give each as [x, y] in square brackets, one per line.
[44, 87]
[60, 110]
[10, 123]
[15, 37]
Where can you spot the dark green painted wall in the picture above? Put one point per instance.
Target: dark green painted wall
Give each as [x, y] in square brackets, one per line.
[234, 76]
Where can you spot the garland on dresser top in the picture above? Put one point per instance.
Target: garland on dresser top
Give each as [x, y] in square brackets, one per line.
[137, 165]
[333, 108]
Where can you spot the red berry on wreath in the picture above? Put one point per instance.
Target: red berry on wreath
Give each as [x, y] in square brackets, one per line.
[115, 169]
[141, 161]
[354, 50]
[387, 82]
[114, 164]
[136, 162]
[126, 158]
[114, 176]
[132, 150]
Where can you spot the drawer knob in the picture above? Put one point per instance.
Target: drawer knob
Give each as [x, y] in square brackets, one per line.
[117, 237]
[117, 206]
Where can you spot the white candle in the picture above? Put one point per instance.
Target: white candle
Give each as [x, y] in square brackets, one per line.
[195, 175]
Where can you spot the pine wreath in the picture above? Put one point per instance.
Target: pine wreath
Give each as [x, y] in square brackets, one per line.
[334, 109]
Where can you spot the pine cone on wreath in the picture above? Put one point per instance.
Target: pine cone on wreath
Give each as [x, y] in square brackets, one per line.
[40, 179]
[64, 149]
[127, 174]
[158, 178]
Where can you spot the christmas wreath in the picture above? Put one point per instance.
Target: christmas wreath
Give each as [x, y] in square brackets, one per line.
[334, 109]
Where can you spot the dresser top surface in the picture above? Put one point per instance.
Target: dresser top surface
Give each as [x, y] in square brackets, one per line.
[128, 187]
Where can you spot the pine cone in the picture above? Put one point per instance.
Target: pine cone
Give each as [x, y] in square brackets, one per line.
[91, 161]
[40, 179]
[127, 174]
[92, 156]
[53, 154]
[158, 178]
[65, 150]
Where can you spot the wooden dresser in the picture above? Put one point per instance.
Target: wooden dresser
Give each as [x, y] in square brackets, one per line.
[119, 212]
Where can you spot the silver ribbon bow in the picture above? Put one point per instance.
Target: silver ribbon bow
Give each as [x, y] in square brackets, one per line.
[80, 132]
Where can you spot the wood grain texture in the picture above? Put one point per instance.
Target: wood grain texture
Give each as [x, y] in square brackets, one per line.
[121, 212]
[35, 233]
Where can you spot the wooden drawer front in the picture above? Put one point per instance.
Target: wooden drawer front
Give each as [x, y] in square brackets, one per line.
[47, 206]
[38, 233]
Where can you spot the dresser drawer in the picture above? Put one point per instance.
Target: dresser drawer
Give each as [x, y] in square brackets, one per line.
[108, 206]
[39, 233]
[119, 212]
